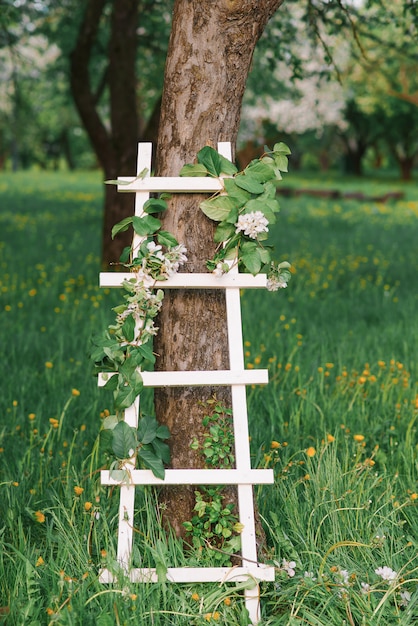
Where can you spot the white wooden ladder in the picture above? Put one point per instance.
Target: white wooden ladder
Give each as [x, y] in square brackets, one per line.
[236, 377]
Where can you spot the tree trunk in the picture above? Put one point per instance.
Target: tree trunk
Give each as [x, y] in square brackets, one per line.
[115, 147]
[209, 57]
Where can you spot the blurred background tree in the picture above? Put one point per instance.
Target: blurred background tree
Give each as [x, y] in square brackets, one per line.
[81, 84]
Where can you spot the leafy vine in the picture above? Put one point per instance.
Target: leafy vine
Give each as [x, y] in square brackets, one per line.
[244, 207]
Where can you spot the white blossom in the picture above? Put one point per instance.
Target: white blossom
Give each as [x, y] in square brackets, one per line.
[251, 224]
[386, 573]
[274, 283]
[365, 588]
[219, 270]
[405, 598]
[289, 567]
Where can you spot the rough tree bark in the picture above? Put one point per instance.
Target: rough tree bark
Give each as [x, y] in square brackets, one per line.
[209, 57]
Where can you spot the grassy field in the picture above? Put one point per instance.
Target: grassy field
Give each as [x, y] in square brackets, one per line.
[337, 421]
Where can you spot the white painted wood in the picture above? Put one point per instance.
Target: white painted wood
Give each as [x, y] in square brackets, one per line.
[177, 184]
[191, 281]
[196, 574]
[143, 163]
[241, 434]
[202, 378]
[236, 377]
[189, 477]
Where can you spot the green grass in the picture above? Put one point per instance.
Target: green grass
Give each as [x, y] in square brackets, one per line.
[337, 421]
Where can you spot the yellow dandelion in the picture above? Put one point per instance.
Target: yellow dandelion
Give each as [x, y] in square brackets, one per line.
[15, 403]
[307, 477]
[358, 438]
[195, 596]
[32, 292]
[87, 506]
[40, 517]
[39, 562]
[78, 490]
[227, 601]
[414, 496]
[83, 427]
[85, 575]
[330, 438]
[381, 364]
[133, 597]
[310, 451]
[103, 553]
[75, 392]
[31, 416]
[49, 365]
[216, 615]
[274, 445]
[50, 611]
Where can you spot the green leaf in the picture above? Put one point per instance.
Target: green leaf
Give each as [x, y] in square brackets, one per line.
[146, 352]
[121, 226]
[145, 225]
[127, 390]
[166, 239]
[281, 148]
[110, 422]
[193, 169]
[227, 167]
[250, 257]
[223, 232]
[163, 432]
[151, 461]
[105, 440]
[128, 328]
[260, 171]
[147, 429]
[217, 208]
[211, 159]
[124, 440]
[126, 254]
[249, 184]
[281, 162]
[112, 383]
[161, 450]
[237, 194]
[264, 254]
[155, 205]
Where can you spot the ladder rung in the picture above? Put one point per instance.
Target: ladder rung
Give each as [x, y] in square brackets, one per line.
[195, 574]
[189, 477]
[191, 281]
[206, 378]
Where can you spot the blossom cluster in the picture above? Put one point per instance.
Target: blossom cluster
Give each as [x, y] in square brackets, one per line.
[252, 224]
[159, 265]
[142, 302]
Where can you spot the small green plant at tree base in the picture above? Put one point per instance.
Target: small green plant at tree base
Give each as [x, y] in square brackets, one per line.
[215, 525]
[244, 208]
